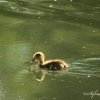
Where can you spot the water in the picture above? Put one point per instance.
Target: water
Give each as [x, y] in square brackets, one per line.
[65, 29]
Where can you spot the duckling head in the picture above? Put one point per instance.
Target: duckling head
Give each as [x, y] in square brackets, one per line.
[39, 56]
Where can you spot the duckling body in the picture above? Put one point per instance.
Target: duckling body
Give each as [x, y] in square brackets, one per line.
[54, 65]
[49, 64]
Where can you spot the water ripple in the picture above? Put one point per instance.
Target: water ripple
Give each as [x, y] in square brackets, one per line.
[89, 66]
[55, 8]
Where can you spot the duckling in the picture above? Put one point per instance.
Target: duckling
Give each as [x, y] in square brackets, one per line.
[49, 64]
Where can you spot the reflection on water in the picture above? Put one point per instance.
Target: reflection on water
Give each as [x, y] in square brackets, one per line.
[62, 29]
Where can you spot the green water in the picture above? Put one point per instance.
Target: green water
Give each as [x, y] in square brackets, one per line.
[64, 29]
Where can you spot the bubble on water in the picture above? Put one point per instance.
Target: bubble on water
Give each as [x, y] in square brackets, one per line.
[93, 31]
[43, 98]
[83, 55]
[51, 6]
[20, 98]
[80, 81]
[62, 80]
[67, 86]
[5, 91]
[21, 3]
[55, 0]
[84, 47]
[92, 53]
[91, 23]
[89, 75]
[22, 84]
[52, 79]
[39, 17]
[92, 14]
[13, 7]
[76, 19]
[40, 23]
[54, 98]
[71, 0]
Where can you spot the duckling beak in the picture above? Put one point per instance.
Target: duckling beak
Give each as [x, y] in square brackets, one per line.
[32, 60]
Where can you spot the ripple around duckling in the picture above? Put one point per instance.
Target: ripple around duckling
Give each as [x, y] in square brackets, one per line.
[85, 67]
[88, 67]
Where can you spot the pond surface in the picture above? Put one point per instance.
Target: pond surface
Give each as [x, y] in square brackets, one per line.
[65, 29]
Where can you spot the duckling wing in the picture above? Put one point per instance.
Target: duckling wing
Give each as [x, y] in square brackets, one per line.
[54, 65]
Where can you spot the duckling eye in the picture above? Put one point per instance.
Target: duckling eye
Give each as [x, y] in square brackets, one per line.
[37, 55]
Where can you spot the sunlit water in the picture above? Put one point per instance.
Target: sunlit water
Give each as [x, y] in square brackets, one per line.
[62, 29]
